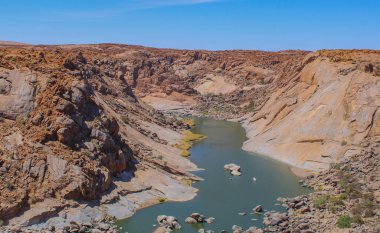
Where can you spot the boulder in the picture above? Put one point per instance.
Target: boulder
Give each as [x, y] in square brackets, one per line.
[236, 173]
[258, 209]
[198, 217]
[56, 167]
[236, 228]
[190, 220]
[16, 93]
[253, 230]
[210, 220]
[233, 168]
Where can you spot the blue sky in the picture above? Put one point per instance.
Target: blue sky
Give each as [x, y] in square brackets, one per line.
[196, 24]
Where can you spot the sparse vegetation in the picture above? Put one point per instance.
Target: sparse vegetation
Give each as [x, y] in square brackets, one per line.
[187, 141]
[335, 166]
[189, 122]
[161, 199]
[87, 153]
[251, 106]
[187, 181]
[125, 119]
[365, 207]
[331, 202]
[334, 203]
[357, 219]
[1, 119]
[321, 201]
[8, 185]
[344, 221]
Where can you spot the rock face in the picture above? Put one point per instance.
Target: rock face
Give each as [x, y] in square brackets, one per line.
[258, 209]
[16, 92]
[327, 108]
[70, 125]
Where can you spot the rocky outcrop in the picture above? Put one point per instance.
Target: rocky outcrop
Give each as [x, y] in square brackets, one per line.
[16, 92]
[346, 197]
[328, 108]
[70, 127]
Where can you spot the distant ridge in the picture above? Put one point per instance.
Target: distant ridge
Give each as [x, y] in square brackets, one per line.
[12, 43]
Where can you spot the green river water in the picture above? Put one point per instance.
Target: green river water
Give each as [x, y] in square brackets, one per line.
[220, 196]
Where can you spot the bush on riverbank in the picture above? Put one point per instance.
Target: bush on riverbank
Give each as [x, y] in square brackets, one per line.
[187, 141]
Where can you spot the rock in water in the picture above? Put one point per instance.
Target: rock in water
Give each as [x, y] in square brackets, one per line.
[190, 220]
[233, 169]
[210, 220]
[258, 209]
[236, 173]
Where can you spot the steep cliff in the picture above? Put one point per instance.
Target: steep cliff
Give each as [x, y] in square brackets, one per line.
[72, 130]
[325, 111]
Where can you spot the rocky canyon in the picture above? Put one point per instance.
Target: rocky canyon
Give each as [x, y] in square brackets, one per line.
[91, 132]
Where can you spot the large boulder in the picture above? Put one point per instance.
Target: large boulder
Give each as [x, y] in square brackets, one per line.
[16, 93]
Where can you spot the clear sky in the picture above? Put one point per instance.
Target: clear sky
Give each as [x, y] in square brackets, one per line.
[195, 24]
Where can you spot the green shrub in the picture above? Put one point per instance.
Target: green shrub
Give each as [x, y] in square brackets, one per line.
[334, 202]
[1, 119]
[344, 221]
[337, 200]
[161, 199]
[320, 201]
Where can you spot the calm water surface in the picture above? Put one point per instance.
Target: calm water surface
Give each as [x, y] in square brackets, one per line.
[220, 196]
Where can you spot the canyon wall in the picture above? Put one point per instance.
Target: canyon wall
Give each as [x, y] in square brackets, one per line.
[325, 111]
[72, 131]
[76, 124]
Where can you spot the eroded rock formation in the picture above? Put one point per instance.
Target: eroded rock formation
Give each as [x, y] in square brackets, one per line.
[75, 124]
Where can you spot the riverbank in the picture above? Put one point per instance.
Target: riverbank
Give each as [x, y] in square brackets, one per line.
[346, 198]
[221, 195]
[187, 106]
[163, 175]
[250, 146]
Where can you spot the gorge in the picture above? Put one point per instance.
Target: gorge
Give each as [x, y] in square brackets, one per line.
[92, 132]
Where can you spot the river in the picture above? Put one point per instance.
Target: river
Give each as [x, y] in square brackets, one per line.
[221, 195]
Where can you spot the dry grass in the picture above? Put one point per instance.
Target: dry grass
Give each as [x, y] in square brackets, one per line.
[189, 122]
